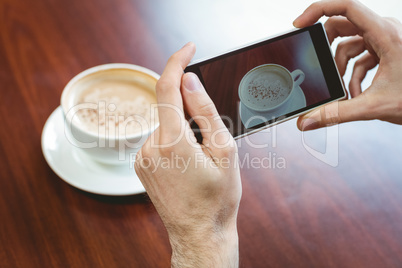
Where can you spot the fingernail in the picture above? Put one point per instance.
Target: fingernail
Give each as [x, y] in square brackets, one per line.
[191, 82]
[309, 124]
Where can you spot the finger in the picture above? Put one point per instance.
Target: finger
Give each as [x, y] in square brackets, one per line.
[335, 113]
[360, 69]
[361, 16]
[201, 108]
[170, 103]
[346, 50]
[339, 26]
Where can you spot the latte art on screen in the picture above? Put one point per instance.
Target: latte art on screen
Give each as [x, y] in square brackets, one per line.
[270, 92]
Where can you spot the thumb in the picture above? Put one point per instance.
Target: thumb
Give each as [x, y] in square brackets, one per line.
[200, 107]
[334, 113]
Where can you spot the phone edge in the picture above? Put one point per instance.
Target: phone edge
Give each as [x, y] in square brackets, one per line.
[253, 43]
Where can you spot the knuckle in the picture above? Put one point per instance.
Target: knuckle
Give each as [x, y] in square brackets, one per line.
[395, 31]
[208, 110]
[371, 105]
[331, 116]
[167, 150]
[172, 136]
[139, 160]
[174, 57]
[342, 48]
[137, 167]
[360, 62]
[232, 147]
[169, 153]
[163, 83]
[340, 57]
[344, 7]
[350, 3]
[146, 149]
[144, 152]
[359, 66]
[221, 138]
[331, 20]
[230, 150]
[392, 33]
[315, 5]
[331, 23]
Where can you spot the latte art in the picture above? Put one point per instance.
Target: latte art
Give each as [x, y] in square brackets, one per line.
[122, 108]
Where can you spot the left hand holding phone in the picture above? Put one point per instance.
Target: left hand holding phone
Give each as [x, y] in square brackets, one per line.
[195, 188]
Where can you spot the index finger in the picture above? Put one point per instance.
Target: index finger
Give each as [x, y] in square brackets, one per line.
[170, 103]
[361, 16]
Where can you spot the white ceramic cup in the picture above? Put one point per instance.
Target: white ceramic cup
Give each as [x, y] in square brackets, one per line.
[107, 149]
[258, 89]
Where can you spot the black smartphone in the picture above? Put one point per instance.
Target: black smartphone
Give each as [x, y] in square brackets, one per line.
[272, 80]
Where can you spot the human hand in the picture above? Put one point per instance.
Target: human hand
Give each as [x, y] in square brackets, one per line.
[195, 188]
[381, 40]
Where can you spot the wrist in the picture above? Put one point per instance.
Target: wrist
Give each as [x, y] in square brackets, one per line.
[210, 247]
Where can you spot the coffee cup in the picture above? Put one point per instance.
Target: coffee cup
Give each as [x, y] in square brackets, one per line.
[267, 87]
[110, 110]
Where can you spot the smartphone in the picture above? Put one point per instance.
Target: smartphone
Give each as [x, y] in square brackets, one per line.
[272, 80]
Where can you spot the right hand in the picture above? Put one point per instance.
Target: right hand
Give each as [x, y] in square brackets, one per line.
[381, 38]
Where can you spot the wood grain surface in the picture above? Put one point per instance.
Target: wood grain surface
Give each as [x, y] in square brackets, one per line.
[296, 211]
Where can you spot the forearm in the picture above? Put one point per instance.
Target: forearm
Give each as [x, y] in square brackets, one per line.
[211, 249]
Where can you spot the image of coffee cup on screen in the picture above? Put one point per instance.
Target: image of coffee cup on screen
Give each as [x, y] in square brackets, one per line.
[268, 91]
[272, 80]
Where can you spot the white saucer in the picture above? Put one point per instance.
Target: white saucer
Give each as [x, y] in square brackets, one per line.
[296, 101]
[77, 169]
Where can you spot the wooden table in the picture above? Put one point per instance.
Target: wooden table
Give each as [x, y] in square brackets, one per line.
[302, 212]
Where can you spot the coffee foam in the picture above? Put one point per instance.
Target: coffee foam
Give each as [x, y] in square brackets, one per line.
[123, 102]
[267, 89]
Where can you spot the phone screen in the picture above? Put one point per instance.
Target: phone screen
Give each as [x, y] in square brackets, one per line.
[271, 81]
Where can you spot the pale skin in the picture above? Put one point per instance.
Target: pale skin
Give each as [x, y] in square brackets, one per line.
[380, 39]
[198, 203]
